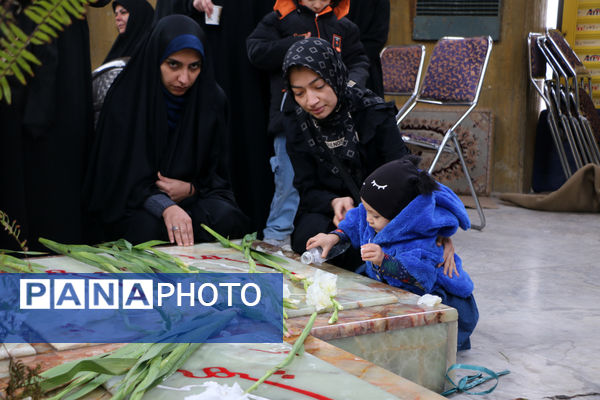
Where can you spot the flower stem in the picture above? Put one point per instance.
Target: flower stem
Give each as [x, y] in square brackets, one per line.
[295, 349]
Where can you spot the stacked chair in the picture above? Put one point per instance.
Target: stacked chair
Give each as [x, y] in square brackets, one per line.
[573, 120]
[454, 78]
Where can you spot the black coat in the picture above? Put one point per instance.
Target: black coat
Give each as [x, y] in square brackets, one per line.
[281, 28]
[373, 20]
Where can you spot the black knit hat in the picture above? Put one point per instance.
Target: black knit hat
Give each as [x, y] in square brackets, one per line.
[394, 185]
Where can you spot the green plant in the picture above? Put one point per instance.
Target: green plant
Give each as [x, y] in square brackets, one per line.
[12, 229]
[23, 381]
[50, 17]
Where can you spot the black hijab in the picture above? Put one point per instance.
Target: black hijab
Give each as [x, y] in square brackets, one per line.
[139, 23]
[134, 141]
[335, 134]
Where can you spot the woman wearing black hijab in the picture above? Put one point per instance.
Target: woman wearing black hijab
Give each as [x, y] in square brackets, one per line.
[140, 15]
[156, 168]
[342, 134]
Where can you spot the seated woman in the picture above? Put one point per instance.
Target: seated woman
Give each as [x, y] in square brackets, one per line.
[157, 168]
[133, 19]
[337, 135]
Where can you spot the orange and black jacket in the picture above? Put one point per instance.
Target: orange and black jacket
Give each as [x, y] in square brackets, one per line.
[290, 22]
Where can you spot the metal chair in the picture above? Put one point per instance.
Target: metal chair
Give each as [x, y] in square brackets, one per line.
[537, 77]
[454, 78]
[402, 67]
[576, 83]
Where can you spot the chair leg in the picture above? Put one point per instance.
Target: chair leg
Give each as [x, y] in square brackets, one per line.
[558, 142]
[452, 135]
[471, 187]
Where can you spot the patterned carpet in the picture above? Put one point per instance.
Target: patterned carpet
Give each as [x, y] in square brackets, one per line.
[475, 137]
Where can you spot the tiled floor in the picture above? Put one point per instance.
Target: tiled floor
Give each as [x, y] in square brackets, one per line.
[537, 285]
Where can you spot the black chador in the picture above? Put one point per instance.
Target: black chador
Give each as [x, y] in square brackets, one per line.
[144, 130]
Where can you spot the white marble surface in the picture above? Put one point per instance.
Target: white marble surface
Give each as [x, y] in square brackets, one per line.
[306, 378]
[537, 285]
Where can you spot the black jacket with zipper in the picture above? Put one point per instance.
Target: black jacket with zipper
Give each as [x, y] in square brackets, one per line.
[290, 22]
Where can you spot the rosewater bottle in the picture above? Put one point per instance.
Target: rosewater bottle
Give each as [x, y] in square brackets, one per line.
[313, 256]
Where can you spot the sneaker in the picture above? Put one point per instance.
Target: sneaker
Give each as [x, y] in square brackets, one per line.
[284, 244]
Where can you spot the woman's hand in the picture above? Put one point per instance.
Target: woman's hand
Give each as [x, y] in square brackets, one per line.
[325, 240]
[449, 263]
[204, 6]
[372, 252]
[174, 188]
[179, 226]
[340, 206]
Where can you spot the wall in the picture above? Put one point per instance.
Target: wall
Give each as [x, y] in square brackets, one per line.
[506, 90]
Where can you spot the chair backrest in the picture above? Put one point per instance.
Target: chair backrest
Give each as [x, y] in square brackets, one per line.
[564, 49]
[456, 70]
[402, 67]
[570, 63]
[588, 110]
[537, 62]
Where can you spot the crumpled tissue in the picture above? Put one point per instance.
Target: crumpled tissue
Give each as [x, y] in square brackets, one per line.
[215, 391]
[429, 300]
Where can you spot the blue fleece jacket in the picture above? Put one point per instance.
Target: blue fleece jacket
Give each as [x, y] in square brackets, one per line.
[411, 239]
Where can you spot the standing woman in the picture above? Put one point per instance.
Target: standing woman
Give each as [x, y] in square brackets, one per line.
[156, 168]
[342, 134]
[133, 19]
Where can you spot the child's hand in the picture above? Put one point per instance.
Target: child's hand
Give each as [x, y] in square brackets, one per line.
[449, 264]
[325, 240]
[372, 252]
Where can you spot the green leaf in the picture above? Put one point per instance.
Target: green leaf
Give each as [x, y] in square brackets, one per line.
[147, 245]
[38, 34]
[18, 32]
[149, 379]
[47, 29]
[109, 366]
[15, 69]
[25, 66]
[30, 57]
[32, 15]
[224, 241]
[5, 30]
[81, 379]
[88, 387]
[5, 92]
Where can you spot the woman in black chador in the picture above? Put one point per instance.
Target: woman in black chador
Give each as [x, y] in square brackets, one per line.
[156, 168]
[133, 19]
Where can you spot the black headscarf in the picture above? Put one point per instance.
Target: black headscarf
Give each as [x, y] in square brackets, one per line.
[139, 23]
[134, 141]
[335, 133]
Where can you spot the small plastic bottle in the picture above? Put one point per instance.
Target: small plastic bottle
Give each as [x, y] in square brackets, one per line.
[313, 256]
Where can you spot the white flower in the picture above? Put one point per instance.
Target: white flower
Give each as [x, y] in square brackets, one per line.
[321, 290]
[214, 391]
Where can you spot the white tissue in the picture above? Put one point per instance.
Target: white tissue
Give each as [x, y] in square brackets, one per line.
[214, 391]
[429, 300]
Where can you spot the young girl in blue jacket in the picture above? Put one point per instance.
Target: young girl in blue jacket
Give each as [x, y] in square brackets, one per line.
[403, 211]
